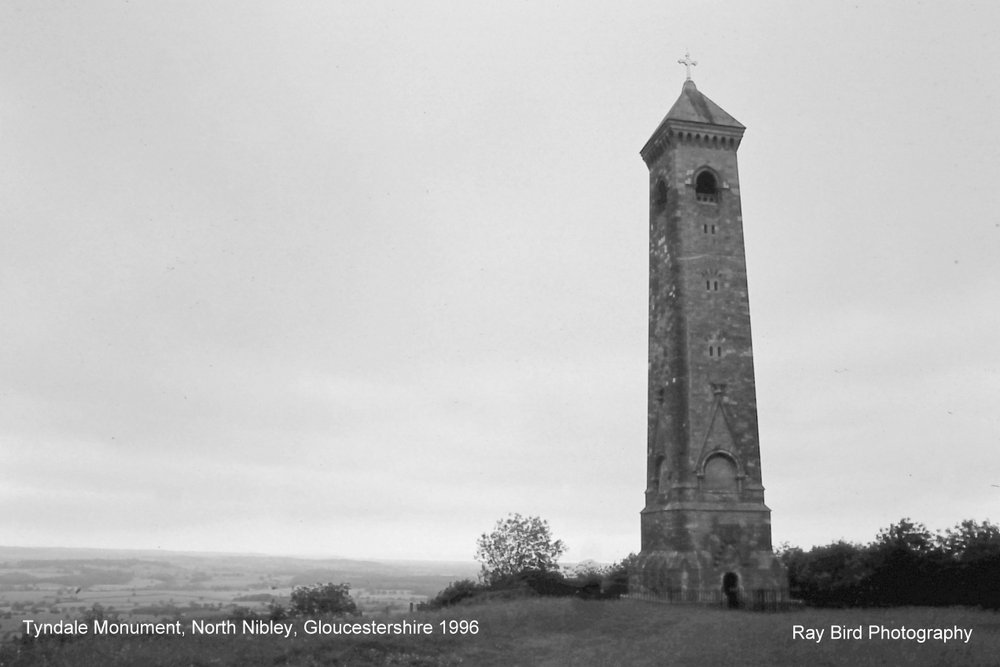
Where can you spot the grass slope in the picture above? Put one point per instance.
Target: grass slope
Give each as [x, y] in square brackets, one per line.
[564, 632]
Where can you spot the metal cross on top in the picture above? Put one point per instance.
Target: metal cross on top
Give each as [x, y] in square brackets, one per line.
[687, 62]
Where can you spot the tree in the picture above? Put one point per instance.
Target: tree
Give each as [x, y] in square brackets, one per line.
[973, 564]
[833, 575]
[906, 566]
[322, 599]
[972, 541]
[516, 546]
[616, 576]
[907, 537]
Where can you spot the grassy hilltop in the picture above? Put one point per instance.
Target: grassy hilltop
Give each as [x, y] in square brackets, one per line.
[563, 631]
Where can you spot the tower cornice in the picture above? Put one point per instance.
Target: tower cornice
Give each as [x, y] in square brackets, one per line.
[686, 132]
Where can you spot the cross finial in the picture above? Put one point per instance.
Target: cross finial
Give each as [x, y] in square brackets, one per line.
[687, 62]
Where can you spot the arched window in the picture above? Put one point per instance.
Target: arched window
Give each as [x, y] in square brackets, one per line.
[720, 474]
[706, 188]
[659, 195]
[658, 468]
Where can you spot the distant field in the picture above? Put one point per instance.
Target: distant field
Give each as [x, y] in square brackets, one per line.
[564, 632]
[48, 585]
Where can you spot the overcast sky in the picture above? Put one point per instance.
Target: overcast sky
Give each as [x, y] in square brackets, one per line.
[360, 278]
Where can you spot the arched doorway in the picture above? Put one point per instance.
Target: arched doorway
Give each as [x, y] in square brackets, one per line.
[731, 589]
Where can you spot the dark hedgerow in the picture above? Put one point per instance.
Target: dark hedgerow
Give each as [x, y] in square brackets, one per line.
[906, 564]
[454, 593]
[599, 583]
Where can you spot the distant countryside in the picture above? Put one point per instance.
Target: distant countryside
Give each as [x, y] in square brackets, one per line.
[52, 584]
[910, 596]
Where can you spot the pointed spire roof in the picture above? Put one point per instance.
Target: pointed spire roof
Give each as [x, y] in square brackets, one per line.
[692, 112]
[693, 107]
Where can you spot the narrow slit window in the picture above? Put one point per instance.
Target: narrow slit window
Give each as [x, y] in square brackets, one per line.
[660, 196]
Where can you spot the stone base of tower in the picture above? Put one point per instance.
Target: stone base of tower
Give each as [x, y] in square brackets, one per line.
[691, 577]
[699, 553]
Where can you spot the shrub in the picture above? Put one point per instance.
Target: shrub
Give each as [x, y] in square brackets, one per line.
[319, 599]
[276, 611]
[615, 581]
[549, 583]
[243, 614]
[454, 593]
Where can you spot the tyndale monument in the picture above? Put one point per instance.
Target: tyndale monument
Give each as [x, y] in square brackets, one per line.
[706, 532]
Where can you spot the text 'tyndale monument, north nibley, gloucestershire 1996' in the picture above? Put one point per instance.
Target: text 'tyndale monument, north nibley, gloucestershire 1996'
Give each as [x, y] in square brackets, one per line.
[706, 533]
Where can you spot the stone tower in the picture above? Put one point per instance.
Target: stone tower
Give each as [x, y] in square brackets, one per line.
[706, 533]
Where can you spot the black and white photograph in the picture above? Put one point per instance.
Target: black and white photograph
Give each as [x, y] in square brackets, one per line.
[499, 333]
